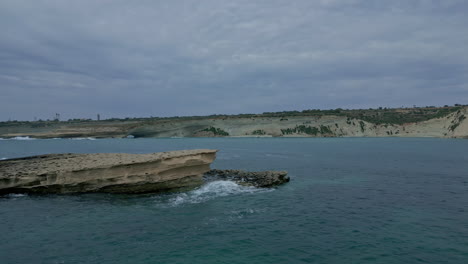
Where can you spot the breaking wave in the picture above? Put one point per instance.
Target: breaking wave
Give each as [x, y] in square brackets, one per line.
[210, 191]
[13, 195]
[30, 138]
[18, 138]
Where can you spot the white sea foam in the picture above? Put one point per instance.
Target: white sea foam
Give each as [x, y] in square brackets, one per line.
[224, 156]
[81, 138]
[22, 138]
[276, 155]
[15, 195]
[212, 190]
[3, 158]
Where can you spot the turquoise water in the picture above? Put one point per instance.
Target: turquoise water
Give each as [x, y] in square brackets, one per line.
[359, 200]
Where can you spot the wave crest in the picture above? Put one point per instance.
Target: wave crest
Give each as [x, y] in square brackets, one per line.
[210, 191]
[18, 138]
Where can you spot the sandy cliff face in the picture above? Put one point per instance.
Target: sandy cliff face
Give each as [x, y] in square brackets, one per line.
[452, 125]
[70, 130]
[458, 126]
[114, 173]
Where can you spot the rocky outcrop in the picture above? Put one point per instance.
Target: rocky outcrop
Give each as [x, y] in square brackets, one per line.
[256, 179]
[111, 173]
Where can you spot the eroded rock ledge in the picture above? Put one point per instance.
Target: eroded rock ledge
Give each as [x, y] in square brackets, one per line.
[112, 173]
[256, 179]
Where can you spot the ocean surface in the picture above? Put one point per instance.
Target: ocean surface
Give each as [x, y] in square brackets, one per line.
[350, 200]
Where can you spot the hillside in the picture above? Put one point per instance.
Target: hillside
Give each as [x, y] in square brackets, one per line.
[450, 122]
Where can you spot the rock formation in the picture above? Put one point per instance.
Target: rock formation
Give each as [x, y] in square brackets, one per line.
[112, 173]
[256, 179]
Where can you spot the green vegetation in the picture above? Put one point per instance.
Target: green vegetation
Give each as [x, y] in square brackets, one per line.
[259, 132]
[363, 126]
[457, 122]
[401, 116]
[301, 129]
[216, 131]
[377, 116]
[325, 130]
[307, 130]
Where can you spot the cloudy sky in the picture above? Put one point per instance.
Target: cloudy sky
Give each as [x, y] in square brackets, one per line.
[125, 58]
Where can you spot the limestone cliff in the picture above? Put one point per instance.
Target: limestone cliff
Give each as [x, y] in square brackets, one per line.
[113, 173]
[452, 125]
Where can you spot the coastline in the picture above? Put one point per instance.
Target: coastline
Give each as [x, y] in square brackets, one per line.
[452, 125]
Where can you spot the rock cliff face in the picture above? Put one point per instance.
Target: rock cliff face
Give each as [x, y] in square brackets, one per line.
[453, 125]
[112, 173]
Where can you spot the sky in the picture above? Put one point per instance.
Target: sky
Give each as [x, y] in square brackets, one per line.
[144, 58]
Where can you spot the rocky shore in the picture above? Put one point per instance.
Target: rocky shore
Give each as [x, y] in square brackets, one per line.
[110, 172]
[256, 179]
[121, 173]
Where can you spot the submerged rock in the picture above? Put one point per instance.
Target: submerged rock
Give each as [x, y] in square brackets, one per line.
[256, 179]
[112, 173]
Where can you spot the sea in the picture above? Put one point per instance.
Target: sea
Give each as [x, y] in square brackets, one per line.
[350, 200]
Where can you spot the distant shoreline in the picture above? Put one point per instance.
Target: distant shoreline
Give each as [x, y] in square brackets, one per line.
[446, 122]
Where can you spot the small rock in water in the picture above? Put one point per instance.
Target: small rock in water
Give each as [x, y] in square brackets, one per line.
[256, 179]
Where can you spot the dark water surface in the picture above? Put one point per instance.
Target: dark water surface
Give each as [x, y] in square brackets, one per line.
[360, 200]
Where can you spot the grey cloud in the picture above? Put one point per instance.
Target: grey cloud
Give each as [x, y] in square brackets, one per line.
[143, 58]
